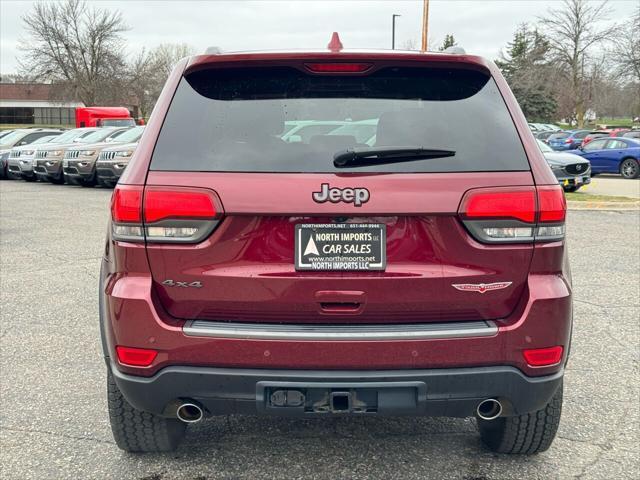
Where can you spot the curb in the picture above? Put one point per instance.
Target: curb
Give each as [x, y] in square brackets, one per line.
[615, 206]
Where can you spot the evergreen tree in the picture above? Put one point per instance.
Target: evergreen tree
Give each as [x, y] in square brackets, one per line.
[449, 41]
[526, 68]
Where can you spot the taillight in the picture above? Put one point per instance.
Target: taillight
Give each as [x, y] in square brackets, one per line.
[126, 213]
[543, 357]
[164, 214]
[568, 140]
[514, 214]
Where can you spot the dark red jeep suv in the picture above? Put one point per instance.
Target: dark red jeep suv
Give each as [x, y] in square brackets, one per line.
[418, 271]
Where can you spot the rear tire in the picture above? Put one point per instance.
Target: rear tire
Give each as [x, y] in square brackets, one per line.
[138, 431]
[526, 434]
[630, 168]
[571, 189]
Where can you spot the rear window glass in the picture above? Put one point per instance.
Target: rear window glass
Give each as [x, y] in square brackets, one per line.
[558, 136]
[283, 120]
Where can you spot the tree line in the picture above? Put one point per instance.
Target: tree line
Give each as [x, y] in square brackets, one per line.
[81, 51]
[568, 63]
[573, 61]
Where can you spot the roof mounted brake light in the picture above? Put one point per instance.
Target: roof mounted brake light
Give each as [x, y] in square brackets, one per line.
[338, 67]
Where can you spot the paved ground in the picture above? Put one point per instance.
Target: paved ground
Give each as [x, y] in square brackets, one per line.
[53, 421]
[613, 185]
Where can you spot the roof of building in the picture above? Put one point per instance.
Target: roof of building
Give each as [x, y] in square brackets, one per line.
[25, 91]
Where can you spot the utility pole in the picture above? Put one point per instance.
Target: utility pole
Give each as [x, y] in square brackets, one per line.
[393, 30]
[425, 24]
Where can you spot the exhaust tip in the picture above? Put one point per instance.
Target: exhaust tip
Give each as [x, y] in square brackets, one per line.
[489, 409]
[189, 413]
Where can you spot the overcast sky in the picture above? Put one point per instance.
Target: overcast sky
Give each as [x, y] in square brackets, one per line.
[482, 27]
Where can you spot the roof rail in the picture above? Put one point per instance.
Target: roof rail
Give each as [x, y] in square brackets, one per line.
[213, 51]
[455, 50]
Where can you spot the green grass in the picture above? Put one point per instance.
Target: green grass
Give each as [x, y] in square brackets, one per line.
[586, 197]
[625, 122]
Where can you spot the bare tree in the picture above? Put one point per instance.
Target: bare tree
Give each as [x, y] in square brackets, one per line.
[573, 32]
[77, 47]
[626, 51]
[166, 55]
[148, 71]
[625, 56]
[409, 44]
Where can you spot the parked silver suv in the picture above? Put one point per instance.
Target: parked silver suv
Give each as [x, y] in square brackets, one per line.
[19, 137]
[79, 164]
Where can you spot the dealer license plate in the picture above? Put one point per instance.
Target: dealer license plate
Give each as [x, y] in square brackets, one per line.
[341, 246]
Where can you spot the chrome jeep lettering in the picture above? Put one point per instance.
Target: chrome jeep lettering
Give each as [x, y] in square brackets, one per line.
[357, 196]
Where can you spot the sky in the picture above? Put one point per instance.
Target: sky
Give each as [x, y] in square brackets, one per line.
[482, 27]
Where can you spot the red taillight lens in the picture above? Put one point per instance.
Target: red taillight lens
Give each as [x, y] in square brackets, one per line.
[515, 214]
[552, 204]
[338, 67]
[543, 357]
[568, 140]
[136, 357]
[163, 214]
[160, 204]
[126, 204]
[516, 203]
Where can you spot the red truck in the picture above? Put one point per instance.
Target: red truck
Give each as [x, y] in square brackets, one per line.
[103, 117]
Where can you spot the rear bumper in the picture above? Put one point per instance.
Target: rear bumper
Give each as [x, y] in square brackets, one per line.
[132, 316]
[434, 392]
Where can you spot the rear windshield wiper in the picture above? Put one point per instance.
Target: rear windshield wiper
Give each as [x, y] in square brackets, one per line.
[365, 157]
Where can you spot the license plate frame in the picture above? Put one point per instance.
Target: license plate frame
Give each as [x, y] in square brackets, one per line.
[357, 247]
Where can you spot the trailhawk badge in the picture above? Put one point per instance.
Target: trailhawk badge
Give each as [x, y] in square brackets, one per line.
[480, 287]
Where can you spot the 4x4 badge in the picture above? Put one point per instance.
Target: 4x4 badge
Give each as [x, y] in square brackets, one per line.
[357, 196]
[480, 287]
[171, 283]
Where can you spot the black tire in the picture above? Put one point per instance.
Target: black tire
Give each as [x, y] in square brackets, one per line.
[571, 189]
[523, 434]
[57, 181]
[29, 179]
[138, 431]
[630, 168]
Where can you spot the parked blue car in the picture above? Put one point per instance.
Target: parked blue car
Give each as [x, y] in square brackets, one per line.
[568, 140]
[613, 155]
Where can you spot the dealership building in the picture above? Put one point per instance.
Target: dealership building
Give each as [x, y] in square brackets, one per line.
[31, 103]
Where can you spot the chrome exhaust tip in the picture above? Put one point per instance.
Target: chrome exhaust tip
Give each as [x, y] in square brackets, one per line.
[189, 413]
[489, 409]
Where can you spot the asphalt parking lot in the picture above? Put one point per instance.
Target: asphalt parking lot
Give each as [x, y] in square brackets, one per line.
[53, 420]
[613, 185]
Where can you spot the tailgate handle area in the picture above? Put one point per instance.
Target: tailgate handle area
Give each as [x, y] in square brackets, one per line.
[340, 302]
